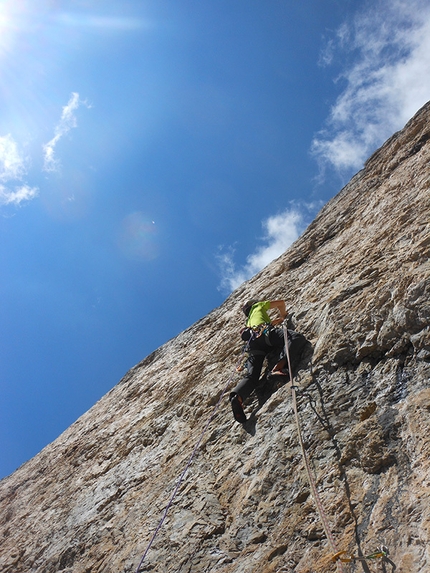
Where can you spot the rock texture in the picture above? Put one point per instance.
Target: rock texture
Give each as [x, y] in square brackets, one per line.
[357, 284]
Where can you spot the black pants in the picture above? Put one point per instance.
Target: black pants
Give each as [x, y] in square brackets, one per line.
[270, 345]
[259, 348]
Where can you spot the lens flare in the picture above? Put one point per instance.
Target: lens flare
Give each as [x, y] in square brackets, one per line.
[138, 237]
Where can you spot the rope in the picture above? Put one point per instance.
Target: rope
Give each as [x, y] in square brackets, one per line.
[311, 479]
[182, 476]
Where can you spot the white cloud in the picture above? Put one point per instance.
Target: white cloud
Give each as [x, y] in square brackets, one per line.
[22, 193]
[12, 168]
[11, 162]
[386, 80]
[66, 123]
[280, 231]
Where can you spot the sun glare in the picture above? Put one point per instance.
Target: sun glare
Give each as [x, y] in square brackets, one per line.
[138, 237]
[9, 18]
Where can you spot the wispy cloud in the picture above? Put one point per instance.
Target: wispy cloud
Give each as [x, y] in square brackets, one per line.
[66, 123]
[280, 231]
[21, 194]
[12, 168]
[11, 162]
[386, 79]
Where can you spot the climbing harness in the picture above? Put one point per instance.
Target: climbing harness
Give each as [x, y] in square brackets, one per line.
[254, 332]
[343, 556]
[261, 329]
[311, 479]
[182, 476]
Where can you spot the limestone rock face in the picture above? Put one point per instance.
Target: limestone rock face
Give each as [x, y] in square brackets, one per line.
[357, 285]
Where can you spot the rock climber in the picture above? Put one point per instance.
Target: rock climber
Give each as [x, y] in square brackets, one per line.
[264, 338]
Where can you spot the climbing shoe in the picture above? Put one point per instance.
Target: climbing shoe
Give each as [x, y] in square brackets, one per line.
[236, 406]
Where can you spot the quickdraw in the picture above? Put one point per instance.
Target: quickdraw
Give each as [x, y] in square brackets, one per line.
[345, 557]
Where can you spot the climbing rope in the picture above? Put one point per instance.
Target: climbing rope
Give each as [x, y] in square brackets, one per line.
[311, 479]
[338, 557]
[196, 447]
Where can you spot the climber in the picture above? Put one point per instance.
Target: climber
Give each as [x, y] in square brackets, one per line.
[264, 338]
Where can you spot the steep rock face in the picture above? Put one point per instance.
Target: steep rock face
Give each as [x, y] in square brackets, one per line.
[357, 285]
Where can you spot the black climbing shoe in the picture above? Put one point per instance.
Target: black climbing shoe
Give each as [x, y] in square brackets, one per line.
[236, 406]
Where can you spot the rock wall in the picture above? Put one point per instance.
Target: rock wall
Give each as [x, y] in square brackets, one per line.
[357, 285]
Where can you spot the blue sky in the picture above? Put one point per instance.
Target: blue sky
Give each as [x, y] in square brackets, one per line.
[155, 154]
